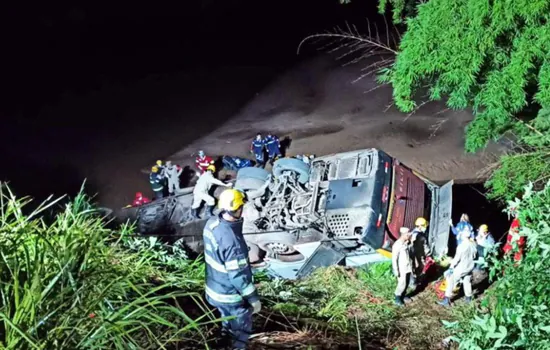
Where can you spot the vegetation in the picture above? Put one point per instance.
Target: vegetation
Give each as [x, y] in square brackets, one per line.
[517, 306]
[491, 56]
[359, 302]
[68, 282]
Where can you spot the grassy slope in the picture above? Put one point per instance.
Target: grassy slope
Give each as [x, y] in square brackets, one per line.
[357, 304]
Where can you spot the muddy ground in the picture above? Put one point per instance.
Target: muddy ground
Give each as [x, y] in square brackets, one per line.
[322, 112]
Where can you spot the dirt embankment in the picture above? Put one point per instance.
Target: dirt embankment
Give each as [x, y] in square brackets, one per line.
[322, 112]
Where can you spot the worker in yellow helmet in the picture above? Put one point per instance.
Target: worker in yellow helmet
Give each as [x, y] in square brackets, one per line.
[202, 189]
[229, 283]
[484, 240]
[157, 182]
[420, 249]
[161, 166]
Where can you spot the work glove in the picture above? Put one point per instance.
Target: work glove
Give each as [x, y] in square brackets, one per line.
[229, 185]
[256, 307]
[396, 273]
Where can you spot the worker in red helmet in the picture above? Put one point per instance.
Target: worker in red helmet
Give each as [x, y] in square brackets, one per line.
[140, 200]
[515, 243]
[203, 161]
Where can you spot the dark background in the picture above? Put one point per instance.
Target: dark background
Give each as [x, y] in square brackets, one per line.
[58, 52]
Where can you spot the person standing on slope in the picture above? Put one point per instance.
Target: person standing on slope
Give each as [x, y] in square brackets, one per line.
[273, 147]
[229, 282]
[515, 243]
[257, 148]
[422, 254]
[172, 173]
[203, 161]
[461, 268]
[402, 264]
[157, 182]
[202, 189]
[463, 224]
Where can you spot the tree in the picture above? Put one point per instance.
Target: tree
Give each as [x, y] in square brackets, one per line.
[489, 55]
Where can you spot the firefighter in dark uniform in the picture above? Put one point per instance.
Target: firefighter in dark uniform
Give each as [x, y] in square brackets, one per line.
[229, 282]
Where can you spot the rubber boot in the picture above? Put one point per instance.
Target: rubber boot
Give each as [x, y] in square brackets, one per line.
[399, 301]
[210, 210]
[445, 302]
[195, 213]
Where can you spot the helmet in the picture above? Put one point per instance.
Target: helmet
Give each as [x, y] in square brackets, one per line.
[201, 153]
[211, 168]
[484, 228]
[159, 162]
[231, 200]
[155, 169]
[421, 222]
[139, 194]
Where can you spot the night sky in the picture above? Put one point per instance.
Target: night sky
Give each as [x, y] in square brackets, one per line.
[55, 51]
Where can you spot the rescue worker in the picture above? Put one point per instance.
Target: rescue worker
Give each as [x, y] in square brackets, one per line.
[484, 239]
[161, 167]
[485, 242]
[203, 161]
[463, 224]
[461, 268]
[157, 182]
[140, 200]
[421, 252]
[257, 148]
[172, 173]
[273, 147]
[201, 192]
[402, 264]
[514, 242]
[229, 282]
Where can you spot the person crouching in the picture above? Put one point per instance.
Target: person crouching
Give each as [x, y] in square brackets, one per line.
[461, 268]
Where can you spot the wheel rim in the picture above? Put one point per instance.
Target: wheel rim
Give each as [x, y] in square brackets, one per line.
[279, 248]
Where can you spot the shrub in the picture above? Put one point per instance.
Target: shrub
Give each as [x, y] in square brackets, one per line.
[518, 315]
[68, 282]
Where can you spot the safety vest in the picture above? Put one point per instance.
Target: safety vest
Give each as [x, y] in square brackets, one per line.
[229, 277]
[156, 182]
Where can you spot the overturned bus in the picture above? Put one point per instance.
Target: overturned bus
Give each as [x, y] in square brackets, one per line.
[344, 208]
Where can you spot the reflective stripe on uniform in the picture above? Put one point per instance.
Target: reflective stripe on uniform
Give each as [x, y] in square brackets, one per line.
[214, 224]
[232, 265]
[249, 290]
[236, 264]
[223, 298]
[208, 234]
[214, 264]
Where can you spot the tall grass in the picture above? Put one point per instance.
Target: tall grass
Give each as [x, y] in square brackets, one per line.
[68, 282]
